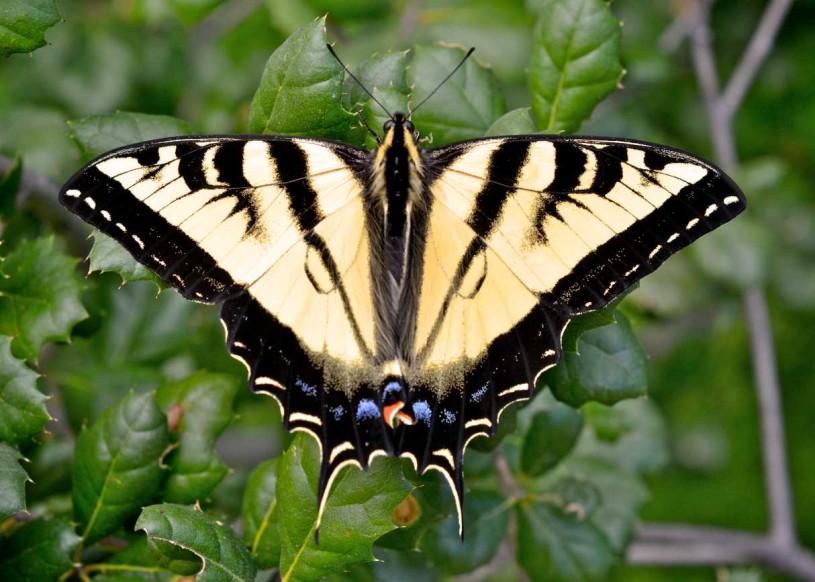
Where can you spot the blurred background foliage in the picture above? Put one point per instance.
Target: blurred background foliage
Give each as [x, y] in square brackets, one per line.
[200, 60]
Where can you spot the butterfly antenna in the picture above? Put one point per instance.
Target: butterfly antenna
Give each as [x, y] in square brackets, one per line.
[368, 127]
[358, 82]
[447, 78]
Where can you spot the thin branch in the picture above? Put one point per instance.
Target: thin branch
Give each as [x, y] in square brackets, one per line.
[776, 470]
[685, 545]
[754, 56]
[704, 63]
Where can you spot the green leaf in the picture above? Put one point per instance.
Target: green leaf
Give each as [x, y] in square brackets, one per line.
[609, 367]
[178, 531]
[641, 448]
[464, 107]
[117, 469]
[40, 550]
[552, 435]
[515, 122]
[107, 255]
[12, 481]
[23, 24]
[202, 404]
[261, 516]
[385, 71]
[101, 133]
[357, 513]
[22, 407]
[575, 61]
[621, 495]
[300, 92]
[557, 546]
[39, 297]
[486, 516]
[9, 184]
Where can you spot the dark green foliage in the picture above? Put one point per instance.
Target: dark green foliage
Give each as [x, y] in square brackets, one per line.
[127, 481]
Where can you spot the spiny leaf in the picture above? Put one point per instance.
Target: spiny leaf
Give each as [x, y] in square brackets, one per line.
[109, 256]
[22, 414]
[23, 24]
[300, 92]
[203, 405]
[39, 296]
[183, 534]
[358, 512]
[12, 481]
[117, 466]
[575, 61]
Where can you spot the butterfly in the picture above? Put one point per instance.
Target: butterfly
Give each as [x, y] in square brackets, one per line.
[396, 301]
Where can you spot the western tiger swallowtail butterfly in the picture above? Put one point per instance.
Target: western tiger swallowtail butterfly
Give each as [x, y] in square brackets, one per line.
[395, 302]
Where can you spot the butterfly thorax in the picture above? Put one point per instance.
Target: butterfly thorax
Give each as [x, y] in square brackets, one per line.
[396, 187]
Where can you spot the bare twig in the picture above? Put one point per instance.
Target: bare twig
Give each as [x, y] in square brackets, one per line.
[684, 545]
[754, 56]
[776, 470]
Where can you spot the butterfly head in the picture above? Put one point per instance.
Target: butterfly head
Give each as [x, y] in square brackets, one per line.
[401, 126]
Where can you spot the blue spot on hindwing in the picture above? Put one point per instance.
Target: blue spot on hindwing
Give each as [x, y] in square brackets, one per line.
[367, 409]
[307, 388]
[447, 416]
[422, 412]
[479, 394]
[337, 411]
